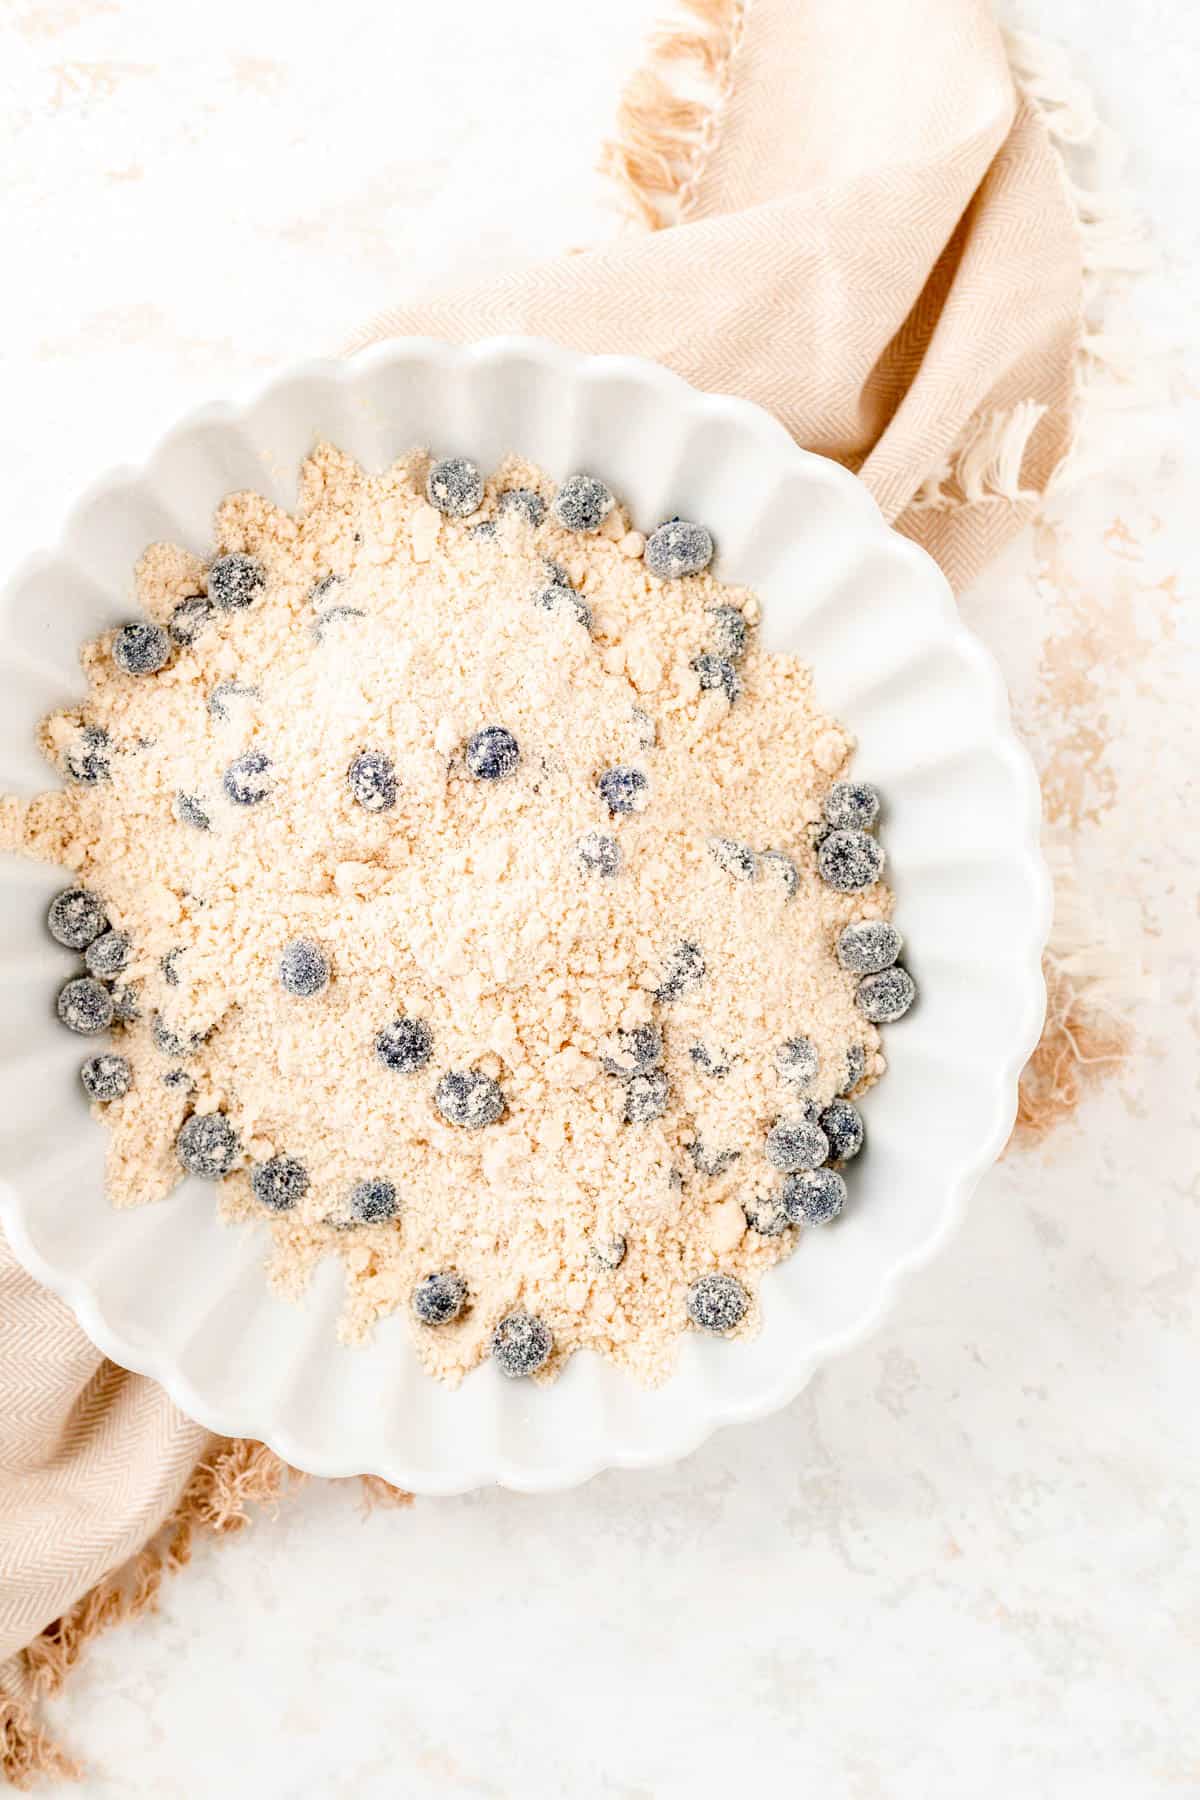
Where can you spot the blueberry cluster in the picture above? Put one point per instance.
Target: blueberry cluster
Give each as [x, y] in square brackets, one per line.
[850, 859]
[86, 1004]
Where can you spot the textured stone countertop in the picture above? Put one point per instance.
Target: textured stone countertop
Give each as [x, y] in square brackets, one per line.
[965, 1562]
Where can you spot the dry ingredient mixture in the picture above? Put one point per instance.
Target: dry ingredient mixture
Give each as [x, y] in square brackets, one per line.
[470, 896]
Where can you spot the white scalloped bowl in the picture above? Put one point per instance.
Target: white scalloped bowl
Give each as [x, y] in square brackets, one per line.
[167, 1290]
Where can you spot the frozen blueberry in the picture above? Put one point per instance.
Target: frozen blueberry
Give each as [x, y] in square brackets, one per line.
[190, 618]
[173, 1043]
[797, 1061]
[766, 1214]
[678, 548]
[492, 754]
[646, 1098]
[647, 730]
[849, 861]
[717, 1302]
[711, 1162]
[228, 690]
[76, 918]
[623, 789]
[280, 1184]
[609, 1252]
[235, 581]
[248, 778]
[521, 1344]
[735, 859]
[207, 1145]
[713, 1063]
[439, 1298]
[107, 955]
[885, 997]
[179, 1078]
[531, 506]
[170, 966]
[405, 1045]
[730, 632]
[869, 946]
[683, 973]
[717, 672]
[560, 596]
[856, 1062]
[126, 1010]
[468, 1098]
[87, 761]
[843, 1127]
[814, 1197]
[455, 487]
[796, 1144]
[191, 811]
[582, 503]
[598, 854]
[141, 648]
[372, 781]
[373, 1202]
[634, 1052]
[780, 868]
[851, 806]
[485, 529]
[303, 968]
[85, 1005]
[106, 1077]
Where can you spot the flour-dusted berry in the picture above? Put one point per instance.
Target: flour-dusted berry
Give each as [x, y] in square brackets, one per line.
[678, 548]
[849, 861]
[598, 855]
[683, 973]
[633, 1052]
[885, 997]
[851, 806]
[795, 1144]
[371, 779]
[88, 761]
[737, 860]
[438, 1299]
[107, 955]
[303, 968]
[492, 754]
[797, 1061]
[190, 619]
[717, 1302]
[208, 1146]
[85, 1005]
[560, 596]
[729, 633]
[106, 1078]
[192, 811]
[647, 1098]
[869, 946]
[455, 487]
[766, 1215]
[843, 1126]
[76, 918]
[235, 582]
[373, 1202]
[855, 1067]
[718, 672]
[609, 1252]
[582, 503]
[248, 779]
[141, 648]
[279, 1185]
[525, 503]
[469, 1098]
[780, 869]
[521, 1344]
[405, 1045]
[623, 789]
[814, 1197]
[175, 1044]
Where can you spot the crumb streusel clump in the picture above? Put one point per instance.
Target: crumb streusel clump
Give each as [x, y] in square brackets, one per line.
[489, 911]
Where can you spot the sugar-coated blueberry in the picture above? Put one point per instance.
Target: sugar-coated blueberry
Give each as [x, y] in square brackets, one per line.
[678, 548]
[371, 779]
[795, 1144]
[492, 754]
[869, 946]
[248, 780]
[780, 868]
[173, 1043]
[126, 1010]
[303, 968]
[814, 1197]
[107, 955]
[737, 860]
[885, 997]
[843, 1126]
[280, 1184]
[373, 1202]
[486, 529]
[683, 973]
[633, 1052]
[856, 1062]
[190, 618]
[609, 1252]
[797, 1061]
[106, 1077]
[711, 1162]
[582, 503]
[469, 1098]
[439, 1298]
[851, 806]
[521, 1343]
[730, 632]
[405, 1045]
[766, 1215]
[207, 1145]
[76, 918]
[87, 761]
[717, 1302]
[141, 648]
[646, 1098]
[531, 506]
[598, 855]
[849, 861]
[623, 789]
[560, 596]
[718, 672]
[235, 581]
[455, 487]
[85, 1005]
[190, 809]
[713, 1062]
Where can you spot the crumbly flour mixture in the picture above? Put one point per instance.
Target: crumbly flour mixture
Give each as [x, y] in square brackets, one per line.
[468, 892]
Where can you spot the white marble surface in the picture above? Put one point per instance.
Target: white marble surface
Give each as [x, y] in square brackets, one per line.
[965, 1562]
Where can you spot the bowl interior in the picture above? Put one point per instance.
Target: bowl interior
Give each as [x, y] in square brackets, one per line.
[167, 1290]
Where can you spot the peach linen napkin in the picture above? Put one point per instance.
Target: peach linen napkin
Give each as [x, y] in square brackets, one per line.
[853, 215]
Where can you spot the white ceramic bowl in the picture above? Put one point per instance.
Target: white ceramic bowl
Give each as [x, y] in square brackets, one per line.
[168, 1291]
